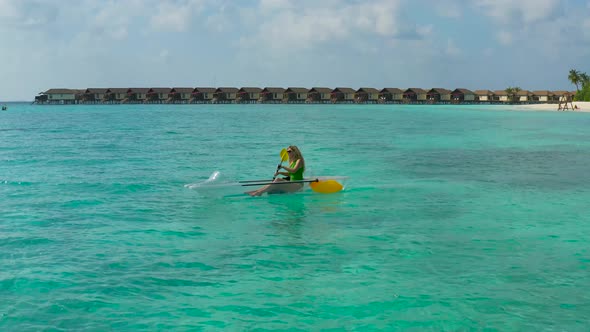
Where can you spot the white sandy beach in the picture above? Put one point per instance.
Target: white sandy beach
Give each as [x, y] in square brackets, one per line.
[583, 106]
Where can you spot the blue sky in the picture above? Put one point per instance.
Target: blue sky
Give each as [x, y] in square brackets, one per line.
[474, 44]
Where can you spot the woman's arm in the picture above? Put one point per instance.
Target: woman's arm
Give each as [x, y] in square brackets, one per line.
[295, 168]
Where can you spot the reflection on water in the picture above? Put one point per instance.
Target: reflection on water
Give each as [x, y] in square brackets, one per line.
[290, 213]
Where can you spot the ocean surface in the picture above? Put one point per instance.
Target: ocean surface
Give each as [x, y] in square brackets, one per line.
[453, 218]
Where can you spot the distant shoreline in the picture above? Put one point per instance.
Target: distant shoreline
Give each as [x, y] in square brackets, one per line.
[582, 106]
[296, 95]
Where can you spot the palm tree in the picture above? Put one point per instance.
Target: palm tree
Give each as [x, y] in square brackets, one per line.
[574, 77]
[585, 79]
[511, 92]
[516, 91]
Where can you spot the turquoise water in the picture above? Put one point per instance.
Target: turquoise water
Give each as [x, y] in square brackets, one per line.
[453, 218]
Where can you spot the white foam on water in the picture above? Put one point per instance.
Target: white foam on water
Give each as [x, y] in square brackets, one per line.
[211, 180]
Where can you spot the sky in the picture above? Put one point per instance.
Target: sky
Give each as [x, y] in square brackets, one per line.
[473, 44]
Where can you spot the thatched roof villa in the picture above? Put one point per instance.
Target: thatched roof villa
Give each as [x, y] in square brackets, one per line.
[295, 95]
[319, 95]
[462, 95]
[190, 95]
[271, 95]
[366, 95]
[391, 95]
[342, 95]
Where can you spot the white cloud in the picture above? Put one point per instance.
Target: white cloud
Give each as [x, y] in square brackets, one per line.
[288, 25]
[175, 15]
[448, 9]
[424, 30]
[8, 9]
[172, 16]
[111, 19]
[267, 6]
[218, 23]
[377, 17]
[26, 13]
[109, 42]
[545, 28]
[291, 30]
[527, 11]
[165, 57]
[505, 37]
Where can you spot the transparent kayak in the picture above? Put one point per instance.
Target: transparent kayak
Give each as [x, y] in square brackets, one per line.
[320, 184]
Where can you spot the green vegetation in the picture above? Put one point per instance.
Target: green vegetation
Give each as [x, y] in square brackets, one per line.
[584, 94]
[577, 78]
[512, 92]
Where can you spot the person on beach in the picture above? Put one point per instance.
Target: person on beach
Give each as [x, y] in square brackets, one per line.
[294, 172]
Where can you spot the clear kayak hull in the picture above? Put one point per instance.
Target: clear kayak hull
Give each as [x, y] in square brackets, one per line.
[215, 185]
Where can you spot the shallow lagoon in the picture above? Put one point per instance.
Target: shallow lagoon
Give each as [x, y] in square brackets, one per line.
[454, 217]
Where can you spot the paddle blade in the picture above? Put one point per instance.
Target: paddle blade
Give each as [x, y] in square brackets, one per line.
[326, 186]
[284, 155]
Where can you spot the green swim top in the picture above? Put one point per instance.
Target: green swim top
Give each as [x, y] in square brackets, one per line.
[297, 176]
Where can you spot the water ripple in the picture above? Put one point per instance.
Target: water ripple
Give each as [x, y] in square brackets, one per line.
[452, 219]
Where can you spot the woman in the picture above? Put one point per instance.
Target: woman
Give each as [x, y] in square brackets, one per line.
[293, 173]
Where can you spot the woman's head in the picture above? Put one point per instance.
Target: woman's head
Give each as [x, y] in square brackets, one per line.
[294, 152]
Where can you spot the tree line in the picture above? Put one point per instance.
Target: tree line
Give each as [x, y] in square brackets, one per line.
[580, 79]
[512, 91]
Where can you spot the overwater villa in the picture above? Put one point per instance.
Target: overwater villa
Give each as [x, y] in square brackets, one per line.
[202, 95]
[342, 95]
[524, 96]
[59, 96]
[459, 96]
[415, 95]
[391, 95]
[136, 95]
[319, 95]
[366, 95]
[248, 95]
[224, 95]
[543, 96]
[157, 95]
[484, 96]
[179, 95]
[294, 95]
[271, 95]
[93, 95]
[500, 96]
[438, 95]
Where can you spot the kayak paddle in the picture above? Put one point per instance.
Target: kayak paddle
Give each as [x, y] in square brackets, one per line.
[284, 157]
[328, 186]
